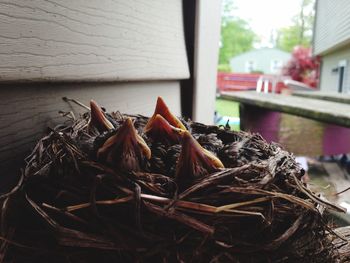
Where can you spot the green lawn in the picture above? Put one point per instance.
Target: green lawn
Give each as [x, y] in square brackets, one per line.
[228, 108]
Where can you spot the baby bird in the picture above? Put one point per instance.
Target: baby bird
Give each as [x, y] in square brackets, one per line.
[117, 145]
[163, 110]
[160, 130]
[194, 162]
[99, 123]
[99, 120]
[165, 131]
[124, 149]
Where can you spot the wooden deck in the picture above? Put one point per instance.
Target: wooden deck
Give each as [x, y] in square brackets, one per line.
[328, 96]
[320, 110]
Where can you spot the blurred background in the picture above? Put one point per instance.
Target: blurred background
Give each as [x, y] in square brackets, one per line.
[282, 67]
[264, 38]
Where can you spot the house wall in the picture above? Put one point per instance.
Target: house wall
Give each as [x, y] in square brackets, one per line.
[328, 78]
[92, 40]
[332, 25]
[262, 59]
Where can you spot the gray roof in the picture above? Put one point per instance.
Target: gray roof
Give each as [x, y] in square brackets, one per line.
[262, 50]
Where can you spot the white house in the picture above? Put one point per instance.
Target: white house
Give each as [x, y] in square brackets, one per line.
[266, 60]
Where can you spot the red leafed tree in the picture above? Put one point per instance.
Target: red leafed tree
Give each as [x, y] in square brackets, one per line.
[303, 66]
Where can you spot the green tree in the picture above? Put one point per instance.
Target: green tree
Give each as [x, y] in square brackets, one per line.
[236, 38]
[236, 35]
[300, 33]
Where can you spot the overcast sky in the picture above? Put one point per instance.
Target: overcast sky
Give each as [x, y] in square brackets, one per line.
[265, 16]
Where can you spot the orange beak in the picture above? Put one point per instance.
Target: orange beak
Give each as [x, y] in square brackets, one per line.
[98, 118]
[194, 161]
[163, 110]
[126, 149]
[159, 128]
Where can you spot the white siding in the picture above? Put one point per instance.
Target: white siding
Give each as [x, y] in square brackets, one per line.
[105, 40]
[332, 25]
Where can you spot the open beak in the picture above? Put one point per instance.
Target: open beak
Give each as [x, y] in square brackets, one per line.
[160, 129]
[126, 149]
[163, 110]
[194, 161]
[98, 118]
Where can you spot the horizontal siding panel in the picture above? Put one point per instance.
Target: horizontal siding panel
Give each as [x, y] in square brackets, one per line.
[27, 110]
[332, 25]
[105, 40]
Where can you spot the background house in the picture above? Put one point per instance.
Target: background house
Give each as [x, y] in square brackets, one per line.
[266, 60]
[332, 43]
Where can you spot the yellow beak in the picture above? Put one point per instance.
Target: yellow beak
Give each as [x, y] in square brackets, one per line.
[160, 129]
[163, 110]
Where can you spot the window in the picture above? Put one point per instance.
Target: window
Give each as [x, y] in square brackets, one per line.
[249, 66]
[275, 66]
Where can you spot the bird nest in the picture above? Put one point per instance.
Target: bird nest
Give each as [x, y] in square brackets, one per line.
[111, 187]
